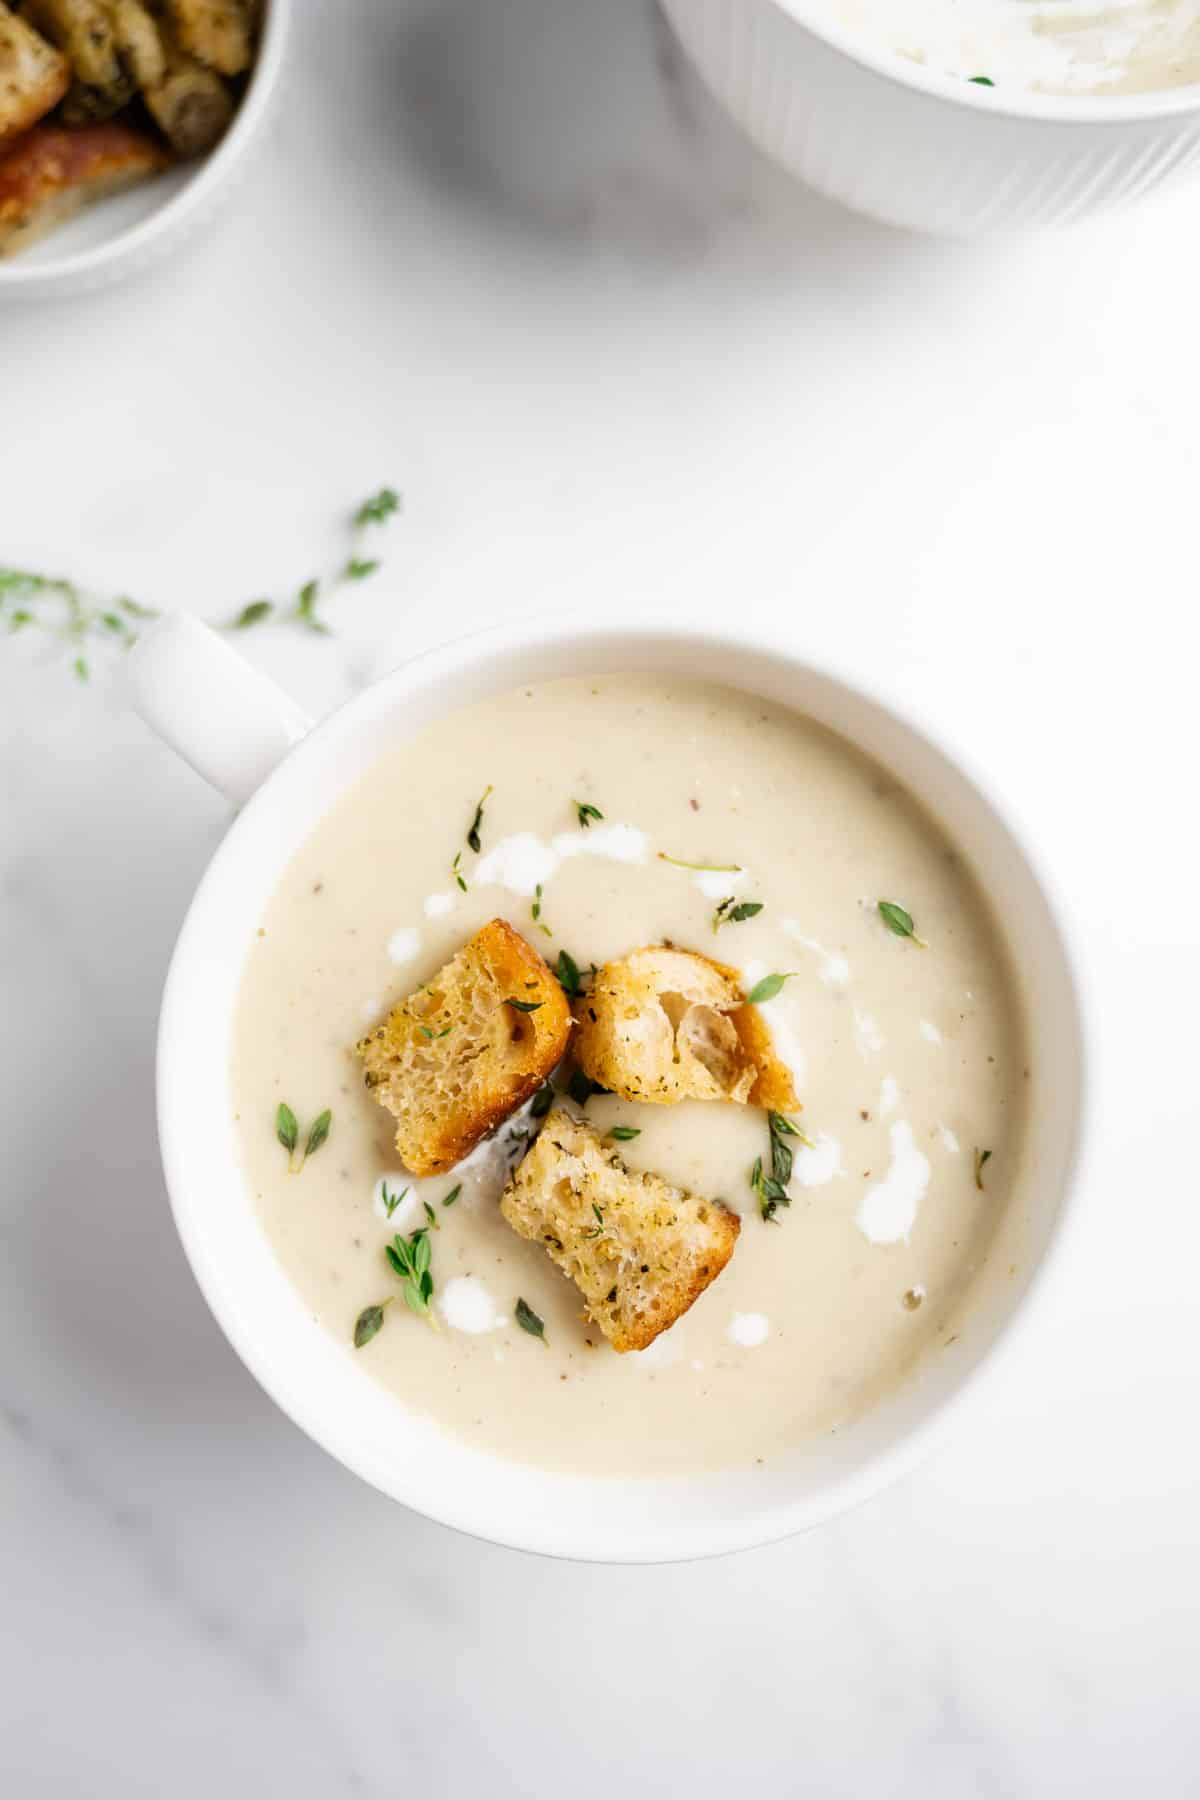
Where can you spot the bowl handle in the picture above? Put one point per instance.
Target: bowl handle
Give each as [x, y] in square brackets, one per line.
[231, 723]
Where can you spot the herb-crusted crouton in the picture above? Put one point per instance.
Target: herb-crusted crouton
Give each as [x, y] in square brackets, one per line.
[663, 1025]
[458, 1056]
[218, 32]
[639, 1250]
[34, 76]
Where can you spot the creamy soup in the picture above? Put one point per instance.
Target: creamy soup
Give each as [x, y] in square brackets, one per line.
[908, 1056]
[1060, 46]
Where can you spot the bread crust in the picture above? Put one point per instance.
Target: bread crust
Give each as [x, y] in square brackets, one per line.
[457, 1057]
[50, 173]
[640, 1250]
[663, 1025]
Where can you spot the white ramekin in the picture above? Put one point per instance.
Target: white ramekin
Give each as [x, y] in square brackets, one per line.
[250, 740]
[915, 148]
[133, 232]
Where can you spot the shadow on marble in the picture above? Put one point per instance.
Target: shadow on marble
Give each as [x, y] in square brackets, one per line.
[584, 123]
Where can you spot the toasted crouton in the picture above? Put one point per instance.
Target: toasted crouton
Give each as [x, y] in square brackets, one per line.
[639, 1250]
[217, 32]
[49, 174]
[34, 76]
[85, 32]
[458, 1056]
[667, 1025]
[191, 105]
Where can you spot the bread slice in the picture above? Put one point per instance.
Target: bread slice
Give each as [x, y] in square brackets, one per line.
[50, 173]
[639, 1250]
[663, 1025]
[34, 76]
[458, 1056]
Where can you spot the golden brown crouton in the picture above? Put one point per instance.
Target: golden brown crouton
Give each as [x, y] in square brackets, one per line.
[217, 32]
[85, 32]
[666, 1025]
[458, 1056]
[639, 1250]
[191, 105]
[34, 76]
[49, 174]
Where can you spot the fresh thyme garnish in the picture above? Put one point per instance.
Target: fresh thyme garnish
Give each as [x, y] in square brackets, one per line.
[706, 868]
[390, 1201]
[536, 910]
[456, 871]
[981, 80]
[287, 1130]
[452, 1196]
[354, 567]
[528, 1320]
[51, 604]
[732, 911]
[981, 1157]
[542, 1101]
[586, 812]
[409, 1258]
[434, 1225]
[305, 611]
[771, 1189]
[768, 987]
[525, 1006]
[318, 1132]
[253, 614]
[581, 1087]
[473, 838]
[624, 1134]
[378, 508]
[369, 1322]
[433, 1036]
[599, 1228]
[567, 970]
[899, 921]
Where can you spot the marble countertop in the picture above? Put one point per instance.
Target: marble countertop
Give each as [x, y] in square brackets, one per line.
[511, 260]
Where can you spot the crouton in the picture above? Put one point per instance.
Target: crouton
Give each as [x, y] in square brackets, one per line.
[85, 32]
[217, 32]
[458, 1056]
[191, 105]
[50, 173]
[639, 1250]
[34, 76]
[667, 1025]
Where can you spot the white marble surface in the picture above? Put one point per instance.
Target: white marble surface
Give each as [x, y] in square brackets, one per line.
[507, 257]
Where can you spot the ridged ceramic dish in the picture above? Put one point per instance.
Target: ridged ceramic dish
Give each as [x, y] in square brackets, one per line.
[918, 149]
[131, 232]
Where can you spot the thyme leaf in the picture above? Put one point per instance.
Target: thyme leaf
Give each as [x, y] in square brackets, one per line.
[586, 812]
[474, 841]
[732, 911]
[899, 921]
[528, 1320]
[768, 987]
[369, 1322]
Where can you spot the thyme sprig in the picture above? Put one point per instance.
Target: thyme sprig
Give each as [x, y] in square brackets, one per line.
[733, 911]
[62, 610]
[287, 1130]
[409, 1260]
[770, 1188]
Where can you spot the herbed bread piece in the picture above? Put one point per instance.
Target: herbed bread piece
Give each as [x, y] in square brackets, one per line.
[663, 1025]
[34, 76]
[458, 1056]
[639, 1250]
[49, 174]
[217, 32]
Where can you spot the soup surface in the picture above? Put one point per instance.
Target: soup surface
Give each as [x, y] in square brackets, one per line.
[909, 1060]
[1059, 46]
